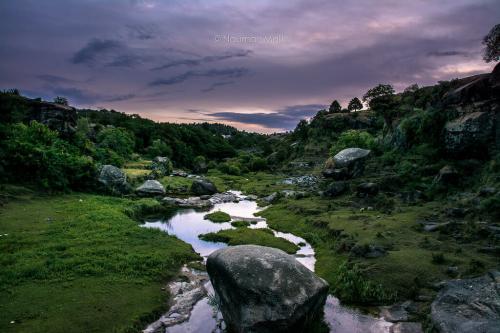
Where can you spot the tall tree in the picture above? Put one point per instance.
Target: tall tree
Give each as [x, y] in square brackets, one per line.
[382, 101]
[335, 107]
[492, 44]
[355, 104]
[61, 100]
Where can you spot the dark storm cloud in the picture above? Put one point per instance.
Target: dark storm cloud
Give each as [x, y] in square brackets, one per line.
[203, 60]
[95, 48]
[286, 118]
[212, 73]
[213, 86]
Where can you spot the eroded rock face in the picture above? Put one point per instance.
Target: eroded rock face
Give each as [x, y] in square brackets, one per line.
[263, 289]
[150, 188]
[113, 179]
[468, 306]
[469, 135]
[202, 187]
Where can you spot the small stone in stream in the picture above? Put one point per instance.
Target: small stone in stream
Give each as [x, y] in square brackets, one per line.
[265, 290]
[407, 327]
[468, 305]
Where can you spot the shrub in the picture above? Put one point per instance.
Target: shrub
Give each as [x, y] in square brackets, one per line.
[218, 217]
[36, 154]
[118, 140]
[230, 169]
[353, 138]
[159, 148]
[258, 164]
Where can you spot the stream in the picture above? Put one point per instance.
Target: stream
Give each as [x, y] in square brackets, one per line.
[188, 224]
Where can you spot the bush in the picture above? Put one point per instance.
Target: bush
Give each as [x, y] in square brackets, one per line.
[230, 169]
[257, 164]
[353, 138]
[36, 154]
[159, 148]
[118, 140]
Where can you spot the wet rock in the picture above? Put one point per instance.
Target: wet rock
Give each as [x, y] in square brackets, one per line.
[470, 134]
[160, 167]
[192, 202]
[394, 313]
[303, 181]
[406, 327]
[150, 188]
[113, 179]
[263, 289]
[367, 189]
[179, 173]
[336, 188]
[251, 197]
[447, 175]
[223, 197]
[201, 187]
[469, 305]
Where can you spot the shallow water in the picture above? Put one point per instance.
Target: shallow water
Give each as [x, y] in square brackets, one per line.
[188, 224]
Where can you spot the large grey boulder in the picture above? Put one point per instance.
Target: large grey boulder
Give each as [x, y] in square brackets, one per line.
[151, 188]
[202, 187]
[468, 306]
[353, 159]
[160, 167]
[113, 179]
[263, 289]
[470, 135]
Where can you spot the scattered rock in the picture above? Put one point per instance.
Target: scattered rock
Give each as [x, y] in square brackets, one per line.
[150, 188]
[192, 202]
[336, 188]
[394, 313]
[336, 174]
[114, 179]
[447, 175]
[271, 198]
[406, 327]
[263, 289]
[452, 271]
[368, 251]
[469, 305]
[303, 181]
[430, 227]
[367, 189]
[201, 187]
[160, 167]
[179, 173]
[487, 191]
[251, 197]
[456, 212]
[223, 197]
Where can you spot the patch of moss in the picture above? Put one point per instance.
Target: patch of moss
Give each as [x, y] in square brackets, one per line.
[218, 217]
[240, 224]
[242, 236]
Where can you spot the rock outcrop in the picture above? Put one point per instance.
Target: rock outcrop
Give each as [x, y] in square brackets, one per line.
[263, 289]
[160, 167]
[113, 179]
[202, 187]
[468, 306]
[150, 188]
[347, 163]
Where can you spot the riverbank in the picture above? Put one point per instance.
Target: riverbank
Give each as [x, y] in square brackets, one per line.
[78, 263]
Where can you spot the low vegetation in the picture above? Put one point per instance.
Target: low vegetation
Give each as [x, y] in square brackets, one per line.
[242, 236]
[78, 262]
[218, 217]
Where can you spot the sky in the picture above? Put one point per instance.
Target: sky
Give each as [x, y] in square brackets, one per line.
[259, 65]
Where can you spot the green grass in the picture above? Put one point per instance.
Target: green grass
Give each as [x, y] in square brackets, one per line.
[79, 263]
[240, 224]
[406, 268]
[176, 184]
[258, 183]
[140, 164]
[218, 217]
[242, 236]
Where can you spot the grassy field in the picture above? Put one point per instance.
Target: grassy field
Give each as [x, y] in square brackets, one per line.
[242, 236]
[78, 263]
[410, 265]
